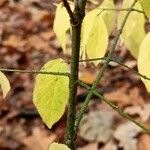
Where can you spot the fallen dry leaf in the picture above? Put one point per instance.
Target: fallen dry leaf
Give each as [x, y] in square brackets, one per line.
[2, 2]
[144, 142]
[91, 146]
[144, 112]
[109, 146]
[124, 97]
[87, 76]
[47, 35]
[95, 126]
[38, 15]
[14, 41]
[29, 2]
[38, 43]
[126, 134]
[130, 63]
[39, 140]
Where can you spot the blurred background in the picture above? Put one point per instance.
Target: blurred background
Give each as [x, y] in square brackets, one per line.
[27, 41]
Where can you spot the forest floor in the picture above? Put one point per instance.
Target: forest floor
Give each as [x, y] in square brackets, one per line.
[27, 41]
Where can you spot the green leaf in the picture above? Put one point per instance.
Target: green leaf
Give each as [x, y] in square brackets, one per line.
[146, 7]
[108, 16]
[61, 25]
[51, 92]
[4, 83]
[57, 146]
[133, 32]
[94, 36]
[144, 60]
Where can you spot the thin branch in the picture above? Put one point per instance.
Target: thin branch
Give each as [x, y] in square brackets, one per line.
[66, 5]
[113, 106]
[94, 59]
[67, 74]
[102, 70]
[35, 72]
[82, 4]
[120, 63]
[121, 9]
[139, 74]
[76, 36]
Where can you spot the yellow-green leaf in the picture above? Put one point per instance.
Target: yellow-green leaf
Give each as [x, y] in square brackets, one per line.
[61, 25]
[144, 60]
[146, 6]
[57, 146]
[94, 36]
[108, 16]
[51, 92]
[87, 25]
[133, 32]
[98, 39]
[4, 83]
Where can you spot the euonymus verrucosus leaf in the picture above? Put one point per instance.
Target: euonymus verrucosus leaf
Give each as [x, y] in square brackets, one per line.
[133, 32]
[144, 60]
[146, 6]
[56, 146]
[4, 83]
[51, 92]
[61, 25]
[108, 16]
[94, 35]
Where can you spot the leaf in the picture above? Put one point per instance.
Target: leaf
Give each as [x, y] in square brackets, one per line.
[4, 83]
[85, 30]
[126, 134]
[95, 126]
[57, 146]
[94, 37]
[86, 27]
[108, 16]
[91, 146]
[144, 141]
[133, 32]
[38, 136]
[51, 92]
[144, 60]
[143, 112]
[146, 6]
[61, 25]
[98, 39]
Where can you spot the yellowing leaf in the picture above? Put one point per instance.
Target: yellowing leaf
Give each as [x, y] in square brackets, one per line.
[144, 60]
[108, 16]
[134, 40]
[130, 21]
[94, 36]
[4, 83]
[61, 25]
[98, 39]
[133, 32]
[51, 92]
[57, 146]
[146, 6]
[87, 25]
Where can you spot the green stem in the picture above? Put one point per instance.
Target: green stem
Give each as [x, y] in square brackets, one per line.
[102, 70]
[70, 133]
[136, 72]
[121, 9]
[76, 31]
[120, 63]
[34, 72]
[68, 8]
[116, 108]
